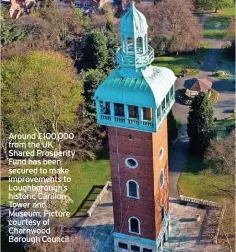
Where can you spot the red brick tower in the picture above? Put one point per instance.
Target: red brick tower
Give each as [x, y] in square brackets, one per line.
[133, 102]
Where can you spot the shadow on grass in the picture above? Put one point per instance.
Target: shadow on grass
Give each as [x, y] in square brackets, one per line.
[215, 34]
[194, 164]
[88, 201]
[104, 153]
[224, 85]
[217, 23]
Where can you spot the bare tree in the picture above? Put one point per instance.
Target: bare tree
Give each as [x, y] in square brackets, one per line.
[221, 156]
[174, 22]
[76, 243]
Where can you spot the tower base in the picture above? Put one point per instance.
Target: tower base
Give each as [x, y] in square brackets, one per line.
[124, 242]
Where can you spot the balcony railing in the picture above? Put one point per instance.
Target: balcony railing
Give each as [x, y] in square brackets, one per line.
[137, 61]
[135, 123]
[119, 119]
[105, 117]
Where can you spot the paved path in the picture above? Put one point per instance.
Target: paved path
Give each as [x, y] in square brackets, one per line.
[185, 230]
[179, 152]
[223, 109]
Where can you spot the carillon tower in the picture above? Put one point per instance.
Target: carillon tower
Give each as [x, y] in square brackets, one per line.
[133, 101]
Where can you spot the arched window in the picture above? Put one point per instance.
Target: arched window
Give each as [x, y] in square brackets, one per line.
[132, 188]
[162, 178]
[139, 45]
[130, 45]
[134, 225]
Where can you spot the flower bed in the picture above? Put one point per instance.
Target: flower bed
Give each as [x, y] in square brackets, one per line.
[213, 95]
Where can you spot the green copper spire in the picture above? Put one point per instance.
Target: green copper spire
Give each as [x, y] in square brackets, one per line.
[134, 51]
[135, 95]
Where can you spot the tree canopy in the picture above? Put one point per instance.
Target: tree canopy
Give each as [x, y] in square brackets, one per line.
[177, 28]
[201, 127]
[40, 92]
[214, 4]
[91, 79]
[95, 52]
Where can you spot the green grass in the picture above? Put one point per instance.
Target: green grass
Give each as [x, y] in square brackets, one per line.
[178, 63]
[84, 176]
[227, 12]
[217, 23]
[226, 65]
[215, 34]
[216, 26]
[221, 126]
[197, 181]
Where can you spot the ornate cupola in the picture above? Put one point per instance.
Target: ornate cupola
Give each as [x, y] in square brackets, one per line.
[134, 51]
[135, 95]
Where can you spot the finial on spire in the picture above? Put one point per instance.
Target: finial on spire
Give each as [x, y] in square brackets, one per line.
[133, 2]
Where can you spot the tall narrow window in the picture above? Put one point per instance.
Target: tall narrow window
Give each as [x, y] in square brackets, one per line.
[167, 98]
[147, 114]
[172, 91]
[161, 152]
[162, 178]
[158, 112]
[119, 109]
[162, 212]
[107, 108]
[132, 189]
[145, 42]
[139, 45]
[134, 225]
[133, 111]
[130, 45]
[163, 106]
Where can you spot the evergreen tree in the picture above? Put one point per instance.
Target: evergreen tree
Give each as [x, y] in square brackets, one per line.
[95, 52]
[173, 128]
[91, 79]
[112, 44]
[200, 124]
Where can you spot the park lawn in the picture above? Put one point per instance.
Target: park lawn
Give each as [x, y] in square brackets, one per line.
[227, 12]
[178, 63]
[5, 183]
[196, 181]
[216, 25]
[227, 65]
[84, 176]
[215, 34]
[221, 126]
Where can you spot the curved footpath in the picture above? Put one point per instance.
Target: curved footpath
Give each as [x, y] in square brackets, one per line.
[224, 106]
